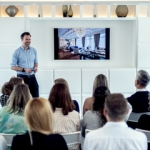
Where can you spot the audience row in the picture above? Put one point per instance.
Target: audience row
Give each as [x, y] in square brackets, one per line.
[98, 112]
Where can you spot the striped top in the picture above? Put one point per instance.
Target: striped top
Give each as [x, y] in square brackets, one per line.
[66, 124]
[24, 59]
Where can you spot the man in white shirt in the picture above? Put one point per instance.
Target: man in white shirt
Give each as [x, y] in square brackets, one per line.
[115, 134]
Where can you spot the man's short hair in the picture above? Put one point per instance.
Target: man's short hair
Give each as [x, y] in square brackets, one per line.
[143, 77]
[25, 33]
[116, 106]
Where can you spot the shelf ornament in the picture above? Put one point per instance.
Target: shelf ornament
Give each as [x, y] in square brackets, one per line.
[95, 14]
[122, 11]
[11, 11]
[40, 11]
[70, 12]
[64, 10]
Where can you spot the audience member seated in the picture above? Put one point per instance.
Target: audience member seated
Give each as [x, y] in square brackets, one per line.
[94, 119]
[39, 119]
[63, 81]
[115, 134]
[139, 100]
[100, 80]
[66, 119]
[12, 115]
[3, 144]
[7, 89]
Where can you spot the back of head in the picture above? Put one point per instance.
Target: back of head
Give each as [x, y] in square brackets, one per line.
[100, 80]
[8, 86]
[39, 116]
[143, 78]
[60, 98]
[18, 99]
[62, 81]
[116, 106]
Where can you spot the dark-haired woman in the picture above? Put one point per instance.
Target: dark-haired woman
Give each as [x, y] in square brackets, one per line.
[66, 119]
[7, 89]
[93, 119]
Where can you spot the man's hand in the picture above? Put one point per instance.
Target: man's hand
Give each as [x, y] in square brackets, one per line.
[27, 70]
[35, 69]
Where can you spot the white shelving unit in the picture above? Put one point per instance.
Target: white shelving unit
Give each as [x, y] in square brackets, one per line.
[81, 11]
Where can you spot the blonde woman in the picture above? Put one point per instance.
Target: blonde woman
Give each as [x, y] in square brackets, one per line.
[39, 119]
[63, 81]
[7, 89]
[100, 80]
[11, 116]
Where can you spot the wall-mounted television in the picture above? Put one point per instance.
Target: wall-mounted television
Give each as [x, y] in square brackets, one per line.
[81, 43]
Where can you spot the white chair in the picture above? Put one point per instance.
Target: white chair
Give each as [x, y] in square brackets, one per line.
[8, 138]
[134, 117]
[72, 138]
[146, 132]
[3, 144]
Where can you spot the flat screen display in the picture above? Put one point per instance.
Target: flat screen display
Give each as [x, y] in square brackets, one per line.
[81, 43]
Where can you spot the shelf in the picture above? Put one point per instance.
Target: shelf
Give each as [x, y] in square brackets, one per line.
[71, 19]
[80, 12]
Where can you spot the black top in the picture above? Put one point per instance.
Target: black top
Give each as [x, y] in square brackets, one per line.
[139, 101]
[40, 142]
[76, 105]
[143, 122]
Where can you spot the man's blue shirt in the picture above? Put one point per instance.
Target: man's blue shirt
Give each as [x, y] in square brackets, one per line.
[24, 59]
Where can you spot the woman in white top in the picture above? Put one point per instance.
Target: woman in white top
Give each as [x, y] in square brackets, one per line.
[66, 119]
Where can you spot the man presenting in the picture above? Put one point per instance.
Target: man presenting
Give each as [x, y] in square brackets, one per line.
[115, 134]
[25, 62]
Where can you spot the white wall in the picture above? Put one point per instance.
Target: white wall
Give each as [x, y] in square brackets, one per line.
[120, 69]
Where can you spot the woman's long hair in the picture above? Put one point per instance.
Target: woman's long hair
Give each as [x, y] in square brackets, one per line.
[60, 97]
[99, 99]
[18, 99]
[39, 116]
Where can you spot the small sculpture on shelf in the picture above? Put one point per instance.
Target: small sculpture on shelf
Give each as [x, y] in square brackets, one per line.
[11, 10]
[40, 11]
[95, 12]
[122, 11]
[70, 12]
[64, 10]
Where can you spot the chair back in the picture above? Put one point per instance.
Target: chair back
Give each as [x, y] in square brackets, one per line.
[8, 138]
[3, 144]
[134, 117]
[146, 132]
[72, 138]
[87, 131]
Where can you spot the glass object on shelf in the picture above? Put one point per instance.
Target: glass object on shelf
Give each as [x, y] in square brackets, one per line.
[70, 12]
[11, 10]
[64, 10]
[122, 11]
[40, 11]
[95, 14]
[148, 11]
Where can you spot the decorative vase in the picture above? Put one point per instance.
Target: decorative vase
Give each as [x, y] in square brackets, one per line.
[122, 11]
[40, 11]
[148, 11]
[70, 12]
[64, 10]
[11, 10]
[95, 11]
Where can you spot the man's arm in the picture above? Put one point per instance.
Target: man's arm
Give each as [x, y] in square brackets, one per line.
[35, 67]
[17, 68]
